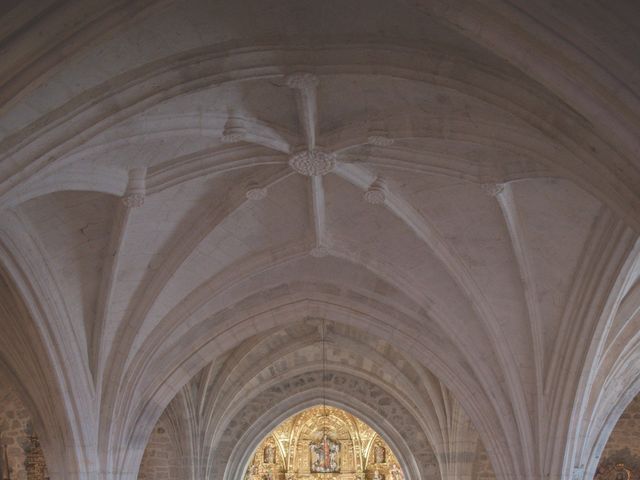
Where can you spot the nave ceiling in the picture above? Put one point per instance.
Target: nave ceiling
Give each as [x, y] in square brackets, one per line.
[471, 230]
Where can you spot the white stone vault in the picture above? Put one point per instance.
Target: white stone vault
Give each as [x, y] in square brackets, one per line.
[219, 418]
[473, 200]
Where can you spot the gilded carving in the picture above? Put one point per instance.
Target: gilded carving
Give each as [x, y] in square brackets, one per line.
[325, 455]
[323, 443]
[619, 465]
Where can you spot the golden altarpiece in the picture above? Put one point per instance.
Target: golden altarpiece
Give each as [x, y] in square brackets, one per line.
[323, 443]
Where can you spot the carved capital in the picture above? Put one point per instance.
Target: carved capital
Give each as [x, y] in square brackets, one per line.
[301, 80]
[492, 189]
[378, 134]
[234, 131]
[255, 192]
[133, 200]
[319, 252]
[380, 140]
[136, 188]
[376, 194]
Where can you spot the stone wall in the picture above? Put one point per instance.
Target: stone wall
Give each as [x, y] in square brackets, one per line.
[161, 460]
[14, 421]
[482, 469]
[15, 426]
[623, 445]
[626, 433]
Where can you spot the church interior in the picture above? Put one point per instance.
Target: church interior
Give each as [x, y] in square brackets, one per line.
[319, 240]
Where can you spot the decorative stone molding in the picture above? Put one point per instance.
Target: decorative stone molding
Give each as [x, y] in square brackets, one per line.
[234, 130]
[136, 188]
[376, 194]
[578, 473]
[382, 140]
[378, 135]
[313, 162]
[301, 80]
[255, 192]
[133, 200]
[319, 252]
[492, 189]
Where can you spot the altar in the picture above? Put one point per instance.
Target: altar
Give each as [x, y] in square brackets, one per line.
[323, 443]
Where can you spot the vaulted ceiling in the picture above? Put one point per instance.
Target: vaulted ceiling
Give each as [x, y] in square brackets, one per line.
[454, 186]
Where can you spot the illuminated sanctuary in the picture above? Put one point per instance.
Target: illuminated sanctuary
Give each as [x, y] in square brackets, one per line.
[325, 443]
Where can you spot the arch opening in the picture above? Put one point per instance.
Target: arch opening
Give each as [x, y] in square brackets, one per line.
[323, 442]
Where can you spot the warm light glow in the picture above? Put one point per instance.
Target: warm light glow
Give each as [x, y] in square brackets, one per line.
[323, 442]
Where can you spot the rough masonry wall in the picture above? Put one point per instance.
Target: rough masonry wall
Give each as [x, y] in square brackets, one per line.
[482, 469]
[15, 426]
[623, 445]
[14, 420]
[160, 460]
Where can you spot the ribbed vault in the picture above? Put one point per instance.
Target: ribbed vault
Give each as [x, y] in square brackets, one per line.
[226, 410]
[188, 188]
